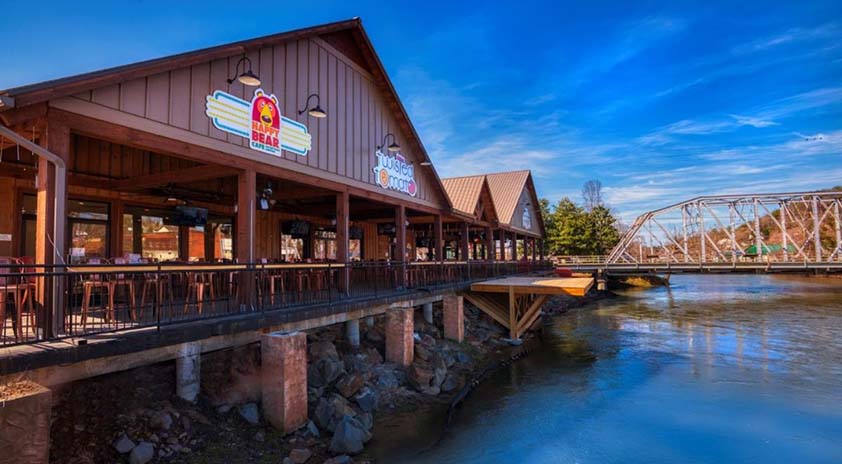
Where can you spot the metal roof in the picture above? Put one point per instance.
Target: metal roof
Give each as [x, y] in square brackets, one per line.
[464, 192]
[506, 189]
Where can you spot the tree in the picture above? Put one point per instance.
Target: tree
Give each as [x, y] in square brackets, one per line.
[592, 194]
[571, 230]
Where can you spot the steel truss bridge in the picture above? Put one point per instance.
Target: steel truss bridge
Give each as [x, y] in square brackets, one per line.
[774, 232]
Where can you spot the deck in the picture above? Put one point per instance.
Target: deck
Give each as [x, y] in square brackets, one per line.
[515, 302]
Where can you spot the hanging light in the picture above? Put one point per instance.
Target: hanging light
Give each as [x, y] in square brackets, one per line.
[426, 163]
[316, 111]
[247, 77]
[394, 145]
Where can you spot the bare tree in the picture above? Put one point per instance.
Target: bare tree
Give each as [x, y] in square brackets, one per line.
[592, 194]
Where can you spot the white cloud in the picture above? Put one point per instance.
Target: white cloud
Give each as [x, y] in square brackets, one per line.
[753, 121]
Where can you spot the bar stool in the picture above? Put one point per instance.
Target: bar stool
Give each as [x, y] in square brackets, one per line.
[89, 286]
[197, 283]
[159, 284]
[20, 292]
[125, 281]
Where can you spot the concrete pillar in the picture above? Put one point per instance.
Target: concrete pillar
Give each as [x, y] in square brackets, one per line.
[188, 371]
[454, 318]
[400, 344]
[427, 308]
[352, 332]
[284, 379]
[25, 424]
[369, 321]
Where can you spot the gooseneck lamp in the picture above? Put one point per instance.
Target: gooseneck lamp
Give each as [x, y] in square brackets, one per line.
[393, 147]
[247, 76]
[316, 111]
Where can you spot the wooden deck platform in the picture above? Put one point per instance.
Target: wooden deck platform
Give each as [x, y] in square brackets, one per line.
[515, 302]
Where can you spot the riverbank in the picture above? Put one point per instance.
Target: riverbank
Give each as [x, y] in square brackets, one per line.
[135, 417]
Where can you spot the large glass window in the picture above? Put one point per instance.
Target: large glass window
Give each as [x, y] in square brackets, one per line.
[324, 248]
[159, 242]
[292, 249]
[87, 224]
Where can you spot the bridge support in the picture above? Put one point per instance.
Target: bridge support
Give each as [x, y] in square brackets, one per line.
[284, 379]
[25, 424]
[352, 332]
[188, 369]
[454, 318]
[427, 309]
[400, 344]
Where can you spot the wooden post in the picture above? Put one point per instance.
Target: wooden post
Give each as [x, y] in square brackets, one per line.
[137, 234]
[514, 246]
[541, 249]
[51, 229]
[343, 207]
[465, 240]
[246, 211]
[502, 239]
[400, 242]
[439, 238]
[489, 244]
[512, 313]
[246, 192]
[116, 233]
[534, 250]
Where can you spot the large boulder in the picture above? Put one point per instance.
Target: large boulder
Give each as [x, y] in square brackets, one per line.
[249, 413]
[323, 350]
[350, 436]
[451, 382]
[350, 384]
[420, 377]
[367, 399]
[329, 411]
[324, 372]
[142, 453]
[386, 376]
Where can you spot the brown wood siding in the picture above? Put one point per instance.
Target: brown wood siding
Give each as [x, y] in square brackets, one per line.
[343, 143]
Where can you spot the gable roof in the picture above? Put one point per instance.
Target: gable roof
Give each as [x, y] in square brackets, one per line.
[357, 47]
[466, 192]
[506, 188]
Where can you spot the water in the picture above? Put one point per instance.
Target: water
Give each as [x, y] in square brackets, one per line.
[714, 369]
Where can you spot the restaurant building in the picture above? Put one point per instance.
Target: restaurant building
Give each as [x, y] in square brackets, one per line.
[237, 194]
[290, 152]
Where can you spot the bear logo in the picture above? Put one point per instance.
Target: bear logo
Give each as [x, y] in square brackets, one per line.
[264, 109]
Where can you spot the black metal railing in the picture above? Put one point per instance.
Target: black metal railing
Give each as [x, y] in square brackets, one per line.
[47, 302]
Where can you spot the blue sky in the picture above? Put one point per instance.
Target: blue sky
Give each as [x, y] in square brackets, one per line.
[659, 101]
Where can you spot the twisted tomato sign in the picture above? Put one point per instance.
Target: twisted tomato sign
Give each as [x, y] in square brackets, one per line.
[394, 173]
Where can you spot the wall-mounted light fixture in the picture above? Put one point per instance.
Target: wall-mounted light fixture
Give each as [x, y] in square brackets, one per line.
[394, 145]
[426, 163]
[247, 76]
[316, 111]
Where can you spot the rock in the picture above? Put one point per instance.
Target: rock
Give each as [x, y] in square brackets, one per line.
[349, 385]
[341, 459]
[423, 353]
[367, 399]
[329, 411]
[439, 372]
[373, 356]
[259, 437]
[287, 460]
[313, 394]
[324, 372]
[323, 350]
[161, 421]
[428, 341]
[300, 455]
[123, 444]
[451, 383]
[374, 336]
[463, 358]
[250, 413]
[386, 377]
[420, 377]
[367, 420]
[223, 409]
[142, 453]
[350, 436]
[312, 429]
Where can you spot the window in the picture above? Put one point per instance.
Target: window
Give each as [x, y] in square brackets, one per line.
[292, 249]
[324, 247]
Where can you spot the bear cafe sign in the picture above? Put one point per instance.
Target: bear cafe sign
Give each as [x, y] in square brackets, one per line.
[394, 173]
[260, 121]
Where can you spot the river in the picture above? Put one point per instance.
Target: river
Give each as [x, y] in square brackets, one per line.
[716, 368]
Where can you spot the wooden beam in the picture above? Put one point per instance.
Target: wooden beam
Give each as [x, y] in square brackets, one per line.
[487, 305]
[438, 233]
[342, 241]
[490, 248]
[182, 176]
[531, 314]
[512, 314]
[246, 210]
[465, 239]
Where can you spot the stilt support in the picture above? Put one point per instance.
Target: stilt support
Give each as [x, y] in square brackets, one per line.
[188, 371]
[284, 379]
[400, 344]
[454, 318]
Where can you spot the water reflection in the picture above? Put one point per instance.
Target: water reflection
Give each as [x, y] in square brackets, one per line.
[714, 369]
